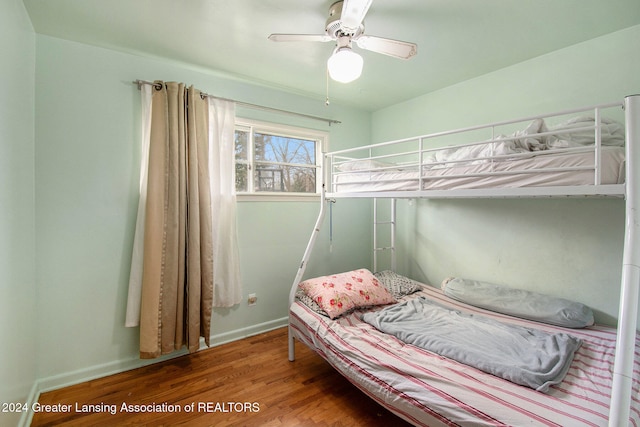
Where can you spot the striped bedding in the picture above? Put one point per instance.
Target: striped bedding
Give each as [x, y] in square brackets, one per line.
[428, 390]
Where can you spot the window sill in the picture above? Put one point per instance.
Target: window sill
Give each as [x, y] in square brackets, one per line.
[278, 197]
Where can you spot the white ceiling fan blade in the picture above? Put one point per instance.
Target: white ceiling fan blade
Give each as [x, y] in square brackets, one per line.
[353, 12]
[300, 38]
[395, 48]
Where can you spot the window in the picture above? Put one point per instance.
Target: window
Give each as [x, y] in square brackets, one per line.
[276, 160]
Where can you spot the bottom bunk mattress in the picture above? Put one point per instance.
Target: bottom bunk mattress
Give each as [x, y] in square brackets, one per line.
[427, 389]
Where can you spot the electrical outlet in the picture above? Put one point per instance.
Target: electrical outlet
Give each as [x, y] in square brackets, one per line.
[252, 299]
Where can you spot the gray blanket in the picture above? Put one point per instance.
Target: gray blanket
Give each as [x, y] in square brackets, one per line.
[521, 355]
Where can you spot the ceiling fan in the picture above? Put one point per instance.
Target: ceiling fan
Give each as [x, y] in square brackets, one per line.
[344, 26]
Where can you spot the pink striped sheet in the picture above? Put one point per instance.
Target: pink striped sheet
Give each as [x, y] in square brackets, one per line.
[428, 390]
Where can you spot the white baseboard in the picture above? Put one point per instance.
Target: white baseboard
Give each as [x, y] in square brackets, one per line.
[87, 374]
[249, 331]
[25, 419]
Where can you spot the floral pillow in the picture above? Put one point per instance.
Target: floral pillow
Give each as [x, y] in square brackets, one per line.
[340, 293]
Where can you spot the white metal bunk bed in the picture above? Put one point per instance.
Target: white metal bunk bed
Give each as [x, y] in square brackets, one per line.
[409, 168]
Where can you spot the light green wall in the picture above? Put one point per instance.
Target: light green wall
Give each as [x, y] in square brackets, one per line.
[17, 240]
[602, 70]
[567, 247]
[87, 157]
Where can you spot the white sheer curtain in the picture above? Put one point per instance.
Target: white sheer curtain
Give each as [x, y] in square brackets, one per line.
[226, 267]
[135, 275]
[227, 289]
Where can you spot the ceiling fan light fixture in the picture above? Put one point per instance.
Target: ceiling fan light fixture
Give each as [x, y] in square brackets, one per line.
[345, 65]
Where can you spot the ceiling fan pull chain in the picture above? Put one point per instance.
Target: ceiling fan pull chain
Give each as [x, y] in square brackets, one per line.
[326, 101]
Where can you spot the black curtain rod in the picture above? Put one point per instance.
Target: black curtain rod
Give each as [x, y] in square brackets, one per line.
[254, 106]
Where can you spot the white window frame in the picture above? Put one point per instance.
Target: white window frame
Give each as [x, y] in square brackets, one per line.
[322, 144]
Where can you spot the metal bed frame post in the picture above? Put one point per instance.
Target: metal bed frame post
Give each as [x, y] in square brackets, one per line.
[305, 260]
[393, 234]
[598, 148]
[375, 234]
[627, 318]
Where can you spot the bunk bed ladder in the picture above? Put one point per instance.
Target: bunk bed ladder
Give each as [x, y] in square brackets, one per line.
[392, 224]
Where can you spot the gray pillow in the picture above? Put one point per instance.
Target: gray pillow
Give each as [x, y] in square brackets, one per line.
[396, 284]
[519, 303]
[309, 302]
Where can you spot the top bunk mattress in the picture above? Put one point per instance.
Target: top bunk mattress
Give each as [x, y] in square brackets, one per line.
[579, 152]
[536, 170]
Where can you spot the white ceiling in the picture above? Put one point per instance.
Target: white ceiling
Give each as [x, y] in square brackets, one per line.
[457, 39]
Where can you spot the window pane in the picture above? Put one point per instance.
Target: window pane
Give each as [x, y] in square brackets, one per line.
[241, 141]
[272, 158]
[273, 148]
[242, 178]
[279, 178]
[303, 180]
[269, 179]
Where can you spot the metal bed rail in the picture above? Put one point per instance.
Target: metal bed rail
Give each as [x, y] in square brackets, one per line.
[409, 160]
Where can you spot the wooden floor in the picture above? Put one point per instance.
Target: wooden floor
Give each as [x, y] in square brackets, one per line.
[245, 383]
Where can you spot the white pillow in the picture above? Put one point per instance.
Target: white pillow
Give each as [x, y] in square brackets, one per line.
[358, 165]
[612, 133]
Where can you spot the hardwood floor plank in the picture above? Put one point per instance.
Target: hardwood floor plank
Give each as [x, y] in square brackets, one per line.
[245, 383]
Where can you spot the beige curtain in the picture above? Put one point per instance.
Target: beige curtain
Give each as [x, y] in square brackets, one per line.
[177, 272]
